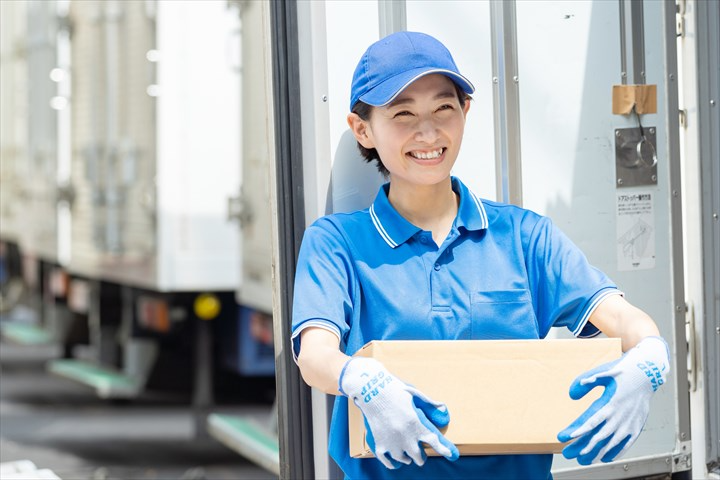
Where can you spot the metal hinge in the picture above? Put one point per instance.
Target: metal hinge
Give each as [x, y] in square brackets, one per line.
[682, 459]
[680, 27]
[680, 6]
[680, 18]
[682, 117]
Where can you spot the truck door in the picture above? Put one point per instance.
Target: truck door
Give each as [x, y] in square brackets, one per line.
[542, 132]
[699, 55]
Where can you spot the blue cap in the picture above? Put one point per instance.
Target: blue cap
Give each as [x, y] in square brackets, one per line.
[394, 62]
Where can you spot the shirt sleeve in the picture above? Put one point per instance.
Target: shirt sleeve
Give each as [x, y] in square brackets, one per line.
[324, 283]
[297, 331]
[566, 288]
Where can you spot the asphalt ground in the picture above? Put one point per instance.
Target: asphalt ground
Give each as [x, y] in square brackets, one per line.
[63, 426]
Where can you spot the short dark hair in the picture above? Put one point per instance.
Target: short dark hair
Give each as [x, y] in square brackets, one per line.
[364, 111]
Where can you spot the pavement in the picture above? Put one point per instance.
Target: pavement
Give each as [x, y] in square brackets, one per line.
[64, 427]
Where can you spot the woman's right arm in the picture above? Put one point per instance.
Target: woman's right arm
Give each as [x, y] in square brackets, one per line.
[320, 359]
[399, 417]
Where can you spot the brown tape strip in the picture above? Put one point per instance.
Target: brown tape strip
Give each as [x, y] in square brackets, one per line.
[643, 97]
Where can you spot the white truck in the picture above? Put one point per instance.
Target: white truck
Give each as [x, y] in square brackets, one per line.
[635, 188]
[160, 111]
[121, 158]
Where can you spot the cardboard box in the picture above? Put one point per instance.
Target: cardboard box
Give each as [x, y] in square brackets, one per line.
[504, 396]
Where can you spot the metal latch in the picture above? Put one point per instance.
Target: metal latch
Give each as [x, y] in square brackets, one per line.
[635, 156]
[239, 210]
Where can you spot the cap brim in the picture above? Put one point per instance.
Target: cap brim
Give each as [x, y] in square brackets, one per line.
[387, 91]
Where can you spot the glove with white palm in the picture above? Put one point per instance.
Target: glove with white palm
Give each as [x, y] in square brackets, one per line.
[399, 419]
[609, 427]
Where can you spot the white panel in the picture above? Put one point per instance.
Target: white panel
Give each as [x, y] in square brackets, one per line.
[314, 102]
[257, 147]
[88, 128]
[135, 138]
[354, 182]
[198, 144]
[464, 27]
[557, 70]
[39, 225]
[113, 222]
[569, 58]
[13, 118]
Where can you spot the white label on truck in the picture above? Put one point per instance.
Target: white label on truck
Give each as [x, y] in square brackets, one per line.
[635, 231]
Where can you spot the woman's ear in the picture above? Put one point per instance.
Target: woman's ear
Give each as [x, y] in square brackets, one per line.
[361, 130]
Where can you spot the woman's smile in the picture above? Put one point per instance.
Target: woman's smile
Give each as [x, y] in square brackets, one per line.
[427, 154]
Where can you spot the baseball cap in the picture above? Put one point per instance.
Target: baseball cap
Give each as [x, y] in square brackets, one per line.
[392, 63]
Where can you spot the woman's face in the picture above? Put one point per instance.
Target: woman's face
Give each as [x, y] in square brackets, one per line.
[418, 135]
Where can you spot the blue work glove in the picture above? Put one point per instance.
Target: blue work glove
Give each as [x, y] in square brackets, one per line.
[609, 427]
[399, 419]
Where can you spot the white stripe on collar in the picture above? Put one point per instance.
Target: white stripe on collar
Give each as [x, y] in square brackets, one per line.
[380, 228]
[481, 210]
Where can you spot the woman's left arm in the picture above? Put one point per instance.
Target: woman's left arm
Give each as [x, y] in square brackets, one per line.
[618, 318]
[609, 427]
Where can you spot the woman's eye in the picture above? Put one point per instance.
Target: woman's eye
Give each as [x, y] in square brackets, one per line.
[402, 113]
[445, 107]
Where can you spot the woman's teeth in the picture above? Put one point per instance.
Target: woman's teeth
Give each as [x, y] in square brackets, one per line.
[427, 155]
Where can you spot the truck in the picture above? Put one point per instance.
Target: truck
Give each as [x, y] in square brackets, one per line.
[634, 184]
[122, 169]
[156, 137]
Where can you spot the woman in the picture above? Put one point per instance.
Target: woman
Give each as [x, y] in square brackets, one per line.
[430, 260]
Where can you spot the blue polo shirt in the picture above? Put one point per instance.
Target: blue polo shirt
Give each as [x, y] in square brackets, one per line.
[503, 272]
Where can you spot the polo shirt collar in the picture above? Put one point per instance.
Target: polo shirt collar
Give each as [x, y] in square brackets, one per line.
[471, 212]
[396, 230]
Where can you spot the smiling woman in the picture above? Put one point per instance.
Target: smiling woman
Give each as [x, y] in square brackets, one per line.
[418, 137]
[425, 122]
[364, 112]
[429, 260]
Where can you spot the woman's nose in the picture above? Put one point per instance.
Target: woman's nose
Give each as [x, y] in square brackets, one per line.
[426, 131]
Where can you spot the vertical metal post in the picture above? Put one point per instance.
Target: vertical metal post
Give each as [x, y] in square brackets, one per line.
[623, 43]
[64, 136]
[632, 42]
[676, 232]
[203, 382]
[318, 171]
[113, 15]
[392, 16]
[506, 101]
[638, 41]
[295, 434]
[94, 324]
[708, 85]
